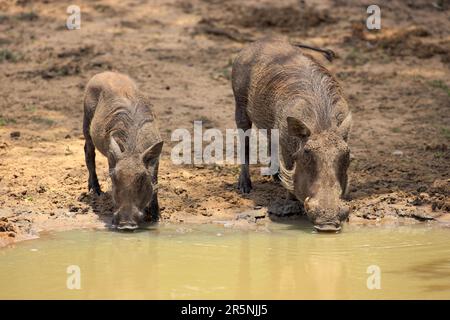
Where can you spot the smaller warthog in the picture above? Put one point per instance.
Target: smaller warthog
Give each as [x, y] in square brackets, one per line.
[277, 86]
[120, 123]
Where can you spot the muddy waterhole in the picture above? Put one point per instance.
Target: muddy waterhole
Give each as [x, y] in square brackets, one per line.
[208, 261]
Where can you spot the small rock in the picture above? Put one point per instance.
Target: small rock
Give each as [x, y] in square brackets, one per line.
[41, 189]
[284, 208]
[422, 216]
[179, 190]
[70, 214]
[243, 216]
[417, 201]
[397, 153]
[15, 135]
[68, 152]
[422, 189]
[74, 208]
[424, 195]
[83, 196]
[251, 215]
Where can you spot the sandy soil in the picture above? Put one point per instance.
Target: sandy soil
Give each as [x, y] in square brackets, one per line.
[180, 52]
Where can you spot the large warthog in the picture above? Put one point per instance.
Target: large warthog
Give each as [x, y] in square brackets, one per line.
[277, 86]
[120, 123]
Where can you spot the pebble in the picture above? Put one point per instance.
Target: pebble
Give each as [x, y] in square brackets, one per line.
[15, 134]
[283, 208]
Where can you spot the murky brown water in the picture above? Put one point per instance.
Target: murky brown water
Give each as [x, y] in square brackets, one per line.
[206, 261]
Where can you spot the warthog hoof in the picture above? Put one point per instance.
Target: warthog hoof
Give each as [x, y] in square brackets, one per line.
[244, 185]
[95, 187]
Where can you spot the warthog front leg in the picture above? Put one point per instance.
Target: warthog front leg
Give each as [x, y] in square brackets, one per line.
[89, 155]
[244, 123]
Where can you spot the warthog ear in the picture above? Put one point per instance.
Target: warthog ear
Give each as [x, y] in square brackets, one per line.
[114, 149]
[345, 126]
[297, 128]
[151, 154]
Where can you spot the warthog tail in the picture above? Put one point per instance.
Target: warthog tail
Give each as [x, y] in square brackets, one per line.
[328, 54]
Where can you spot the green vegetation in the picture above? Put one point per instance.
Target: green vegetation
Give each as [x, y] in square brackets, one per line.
[3, 18]
[356, 57]
[28, 16]
[440, 85]
[438, 154]
[42, 120]
[7, 55]
[4, 41]
[446, 132]
[6, 121]
[30, 108]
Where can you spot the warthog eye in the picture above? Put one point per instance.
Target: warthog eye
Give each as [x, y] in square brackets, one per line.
[306, 151]
[141, 180]
[307, 155]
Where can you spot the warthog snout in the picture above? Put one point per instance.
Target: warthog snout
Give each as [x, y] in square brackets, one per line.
[127, 220]
[127, 226]
[326, 219]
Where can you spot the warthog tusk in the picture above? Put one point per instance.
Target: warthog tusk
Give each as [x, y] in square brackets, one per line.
[286, 175]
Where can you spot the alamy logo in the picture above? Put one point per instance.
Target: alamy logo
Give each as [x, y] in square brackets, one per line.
[73, 21]
[374, 280]
[373, 21]
[74, 279]
[220, 147]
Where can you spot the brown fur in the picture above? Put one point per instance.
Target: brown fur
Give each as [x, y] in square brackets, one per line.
[277, 86]
[120, 123]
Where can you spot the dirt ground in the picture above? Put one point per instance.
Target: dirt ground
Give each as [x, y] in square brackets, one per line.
[180, 52]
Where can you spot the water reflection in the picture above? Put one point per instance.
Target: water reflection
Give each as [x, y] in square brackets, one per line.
[287, 263]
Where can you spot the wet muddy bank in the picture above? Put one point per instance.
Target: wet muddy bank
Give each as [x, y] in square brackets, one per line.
[16, 228]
